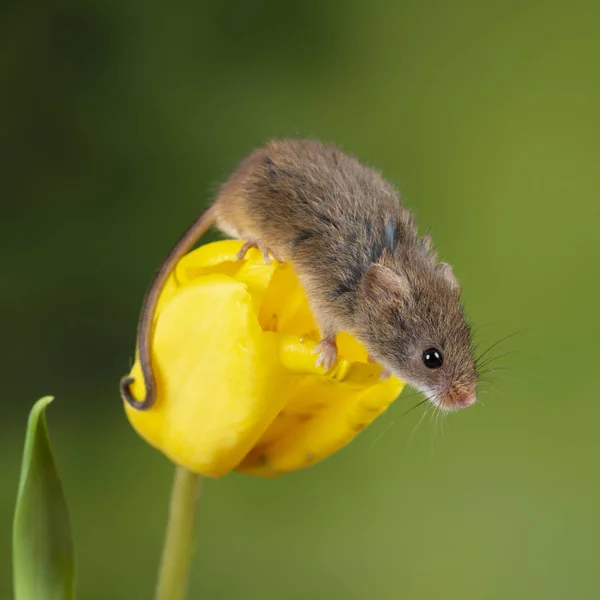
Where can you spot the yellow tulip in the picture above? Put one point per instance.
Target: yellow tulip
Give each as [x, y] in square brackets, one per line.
[237, 385]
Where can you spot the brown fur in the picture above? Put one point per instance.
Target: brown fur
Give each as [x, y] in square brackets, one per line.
[357, 254]
[338, 222]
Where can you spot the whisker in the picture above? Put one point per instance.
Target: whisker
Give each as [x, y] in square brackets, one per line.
[436, 414]
[443, 417]
[476, 327]
[501, 377]
[494, 388]
[411, 395]
[500, 341]
[495, 369]
[491, 359]
[416, 406]
[419, 422]
[512, 369]
[390, 425]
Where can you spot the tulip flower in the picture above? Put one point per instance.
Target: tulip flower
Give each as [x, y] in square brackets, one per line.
[237, 383]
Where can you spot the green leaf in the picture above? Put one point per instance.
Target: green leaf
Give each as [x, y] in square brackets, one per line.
[43, 563]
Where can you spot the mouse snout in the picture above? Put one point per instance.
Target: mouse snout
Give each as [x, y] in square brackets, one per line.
[465, 401]
[458, 396]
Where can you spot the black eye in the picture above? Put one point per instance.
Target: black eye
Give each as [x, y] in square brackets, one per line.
[432, 358]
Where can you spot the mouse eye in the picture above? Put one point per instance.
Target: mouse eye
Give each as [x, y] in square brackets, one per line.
[432, 358]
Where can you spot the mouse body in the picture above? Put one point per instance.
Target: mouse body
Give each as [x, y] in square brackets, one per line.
[358, 256]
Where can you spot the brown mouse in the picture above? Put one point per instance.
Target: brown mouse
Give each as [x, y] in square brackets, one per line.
[358, 256]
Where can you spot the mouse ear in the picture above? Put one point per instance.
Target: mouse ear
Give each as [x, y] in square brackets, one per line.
[445, 270]
[381, 282]
[426, 247]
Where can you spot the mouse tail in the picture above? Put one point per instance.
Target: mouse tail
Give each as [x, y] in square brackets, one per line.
[146, 319]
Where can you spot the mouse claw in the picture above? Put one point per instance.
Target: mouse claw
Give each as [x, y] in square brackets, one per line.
[327, 351]
[385, 373]
[244, 250]
[265, 252]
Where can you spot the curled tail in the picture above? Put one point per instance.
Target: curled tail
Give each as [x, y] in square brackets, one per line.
[146, 320]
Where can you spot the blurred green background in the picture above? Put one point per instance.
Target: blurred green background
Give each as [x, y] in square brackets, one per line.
[119, 119]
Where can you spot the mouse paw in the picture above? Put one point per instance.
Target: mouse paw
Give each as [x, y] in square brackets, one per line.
[264, 249]
[327, 351]
[385, 373]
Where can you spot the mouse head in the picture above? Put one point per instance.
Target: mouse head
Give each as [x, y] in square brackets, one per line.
[413, 324]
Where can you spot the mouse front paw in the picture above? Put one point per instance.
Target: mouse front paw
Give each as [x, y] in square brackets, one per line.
[327, 351]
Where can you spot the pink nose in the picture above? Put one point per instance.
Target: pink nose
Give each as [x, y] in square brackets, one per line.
[466, 400]
[458, 397]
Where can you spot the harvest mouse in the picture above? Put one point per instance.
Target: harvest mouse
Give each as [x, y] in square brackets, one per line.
[358, 256]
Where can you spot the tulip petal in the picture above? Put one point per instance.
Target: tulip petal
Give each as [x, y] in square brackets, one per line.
[218, 388]
[322, 414]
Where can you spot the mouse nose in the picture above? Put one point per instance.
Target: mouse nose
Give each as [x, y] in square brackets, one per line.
[466, 400]
[460, 396]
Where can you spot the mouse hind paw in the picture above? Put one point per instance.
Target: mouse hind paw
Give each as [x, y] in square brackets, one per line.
[385, 372]
[262, 247]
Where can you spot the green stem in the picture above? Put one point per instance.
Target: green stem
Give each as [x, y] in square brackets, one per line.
[179, 540]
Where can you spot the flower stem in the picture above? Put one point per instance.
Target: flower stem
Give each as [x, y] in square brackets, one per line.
[179, 539]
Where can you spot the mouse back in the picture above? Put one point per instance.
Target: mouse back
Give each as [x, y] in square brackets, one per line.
[359, 258]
